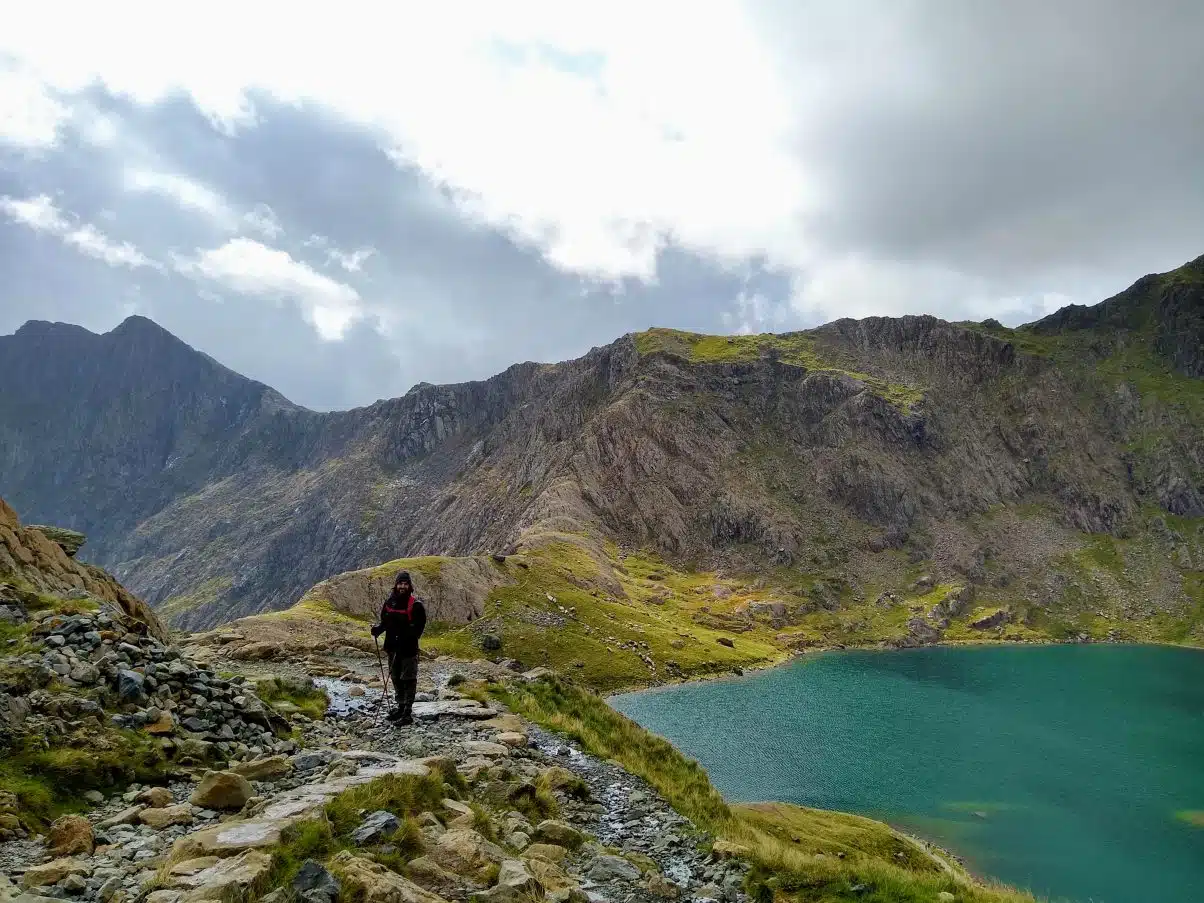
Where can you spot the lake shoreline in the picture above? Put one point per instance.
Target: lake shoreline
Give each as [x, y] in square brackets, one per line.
[812, 651]
[975, 852]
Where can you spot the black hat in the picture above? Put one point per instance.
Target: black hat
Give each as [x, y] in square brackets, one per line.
[403, 575]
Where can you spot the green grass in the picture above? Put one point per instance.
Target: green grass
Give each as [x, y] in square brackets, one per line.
[203, 594]
[399, 794]
[600, 623]
[586, 718]
[536, 802]
[797, 348]
[51, 780]
[13, 638]
[1104, 553]
[794, 850]
[314, 608]
[35, 600]
[611, 612]
[309, 700]
[428, 567]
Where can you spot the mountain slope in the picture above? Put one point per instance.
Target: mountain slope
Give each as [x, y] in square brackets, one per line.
[837, 464]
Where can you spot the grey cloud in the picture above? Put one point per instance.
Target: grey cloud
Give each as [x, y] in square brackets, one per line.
[1020, 142]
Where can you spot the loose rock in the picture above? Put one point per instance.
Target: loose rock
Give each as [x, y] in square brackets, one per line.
[376, 827]
[70, 835]
[314, 884]
[221, 790]
[559, 833]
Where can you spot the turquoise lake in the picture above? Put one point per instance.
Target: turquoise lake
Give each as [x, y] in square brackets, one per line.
[1067, 770]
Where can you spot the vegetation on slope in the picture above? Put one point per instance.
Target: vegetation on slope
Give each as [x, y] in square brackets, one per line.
[50, 778]
[615, 619]
[617, 624]
[799, 854]
[797, 348]
[48, 775]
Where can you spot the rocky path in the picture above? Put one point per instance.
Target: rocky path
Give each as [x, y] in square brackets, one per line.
[612, 840]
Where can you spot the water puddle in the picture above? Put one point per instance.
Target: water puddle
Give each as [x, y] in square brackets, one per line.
[342, 703]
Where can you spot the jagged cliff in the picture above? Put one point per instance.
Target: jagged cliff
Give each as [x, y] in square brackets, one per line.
[840, 455]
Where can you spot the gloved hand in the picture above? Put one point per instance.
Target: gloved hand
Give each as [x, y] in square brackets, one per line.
[377, 629]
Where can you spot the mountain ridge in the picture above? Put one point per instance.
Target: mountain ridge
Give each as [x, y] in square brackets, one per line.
[734, 451]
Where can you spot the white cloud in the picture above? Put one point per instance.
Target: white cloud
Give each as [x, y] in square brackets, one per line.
[29, 116]
[41, 214]
[860, 286]
[38, 213]
[191, 195]
[598, 133]
[264, 221]
[352, 261]
[185, 192]
[254, 269]
[598, 166]
[755, 314]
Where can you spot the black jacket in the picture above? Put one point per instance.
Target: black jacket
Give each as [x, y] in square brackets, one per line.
[401, 632]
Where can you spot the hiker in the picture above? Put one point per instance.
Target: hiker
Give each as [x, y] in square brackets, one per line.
[402, 620]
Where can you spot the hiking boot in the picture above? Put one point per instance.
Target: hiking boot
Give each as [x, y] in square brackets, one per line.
[403, 721]
[394, 715]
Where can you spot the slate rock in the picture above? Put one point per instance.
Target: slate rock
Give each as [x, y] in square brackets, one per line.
[612, 868]
[131, 686]
[51, 872]
[311, 759]
[166, 816]
[465, 851]
[372, 882]
[559, 833]
[228, 879]
[515, 884]
[155, 797]
[270, 768]
[314, 884]
[375, 827]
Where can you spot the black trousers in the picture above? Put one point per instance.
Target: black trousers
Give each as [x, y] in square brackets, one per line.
[403, 669]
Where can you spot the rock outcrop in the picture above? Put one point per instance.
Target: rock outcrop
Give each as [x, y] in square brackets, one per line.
[29, 555]
[70, 540]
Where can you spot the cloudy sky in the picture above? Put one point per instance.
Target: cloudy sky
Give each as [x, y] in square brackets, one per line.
[344, 199]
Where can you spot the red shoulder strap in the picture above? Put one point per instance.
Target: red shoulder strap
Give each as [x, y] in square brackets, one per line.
[409, 609]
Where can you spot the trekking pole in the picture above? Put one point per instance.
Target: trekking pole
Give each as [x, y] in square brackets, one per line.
[384, 680]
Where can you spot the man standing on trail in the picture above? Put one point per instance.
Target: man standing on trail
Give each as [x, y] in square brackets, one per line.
[402, 620]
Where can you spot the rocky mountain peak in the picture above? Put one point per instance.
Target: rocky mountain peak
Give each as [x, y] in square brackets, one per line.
[1165, 308]
[215, 498]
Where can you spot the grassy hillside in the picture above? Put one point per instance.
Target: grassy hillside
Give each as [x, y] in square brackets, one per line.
[616, 619]
[797, 348]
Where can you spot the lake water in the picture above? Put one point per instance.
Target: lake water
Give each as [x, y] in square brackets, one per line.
[1068, 770]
